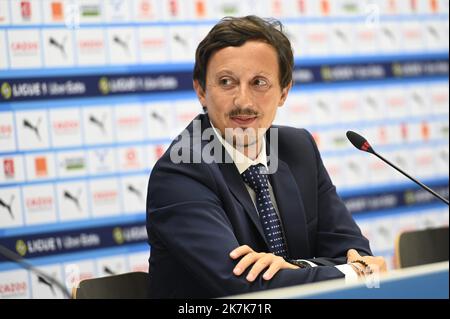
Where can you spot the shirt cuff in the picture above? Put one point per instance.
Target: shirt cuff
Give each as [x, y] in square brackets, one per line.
[350, 275]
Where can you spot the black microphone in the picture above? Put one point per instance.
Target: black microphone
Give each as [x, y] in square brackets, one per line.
[363, 145]
[41, 275]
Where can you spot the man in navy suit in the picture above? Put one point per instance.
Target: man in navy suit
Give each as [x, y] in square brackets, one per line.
[237, 204]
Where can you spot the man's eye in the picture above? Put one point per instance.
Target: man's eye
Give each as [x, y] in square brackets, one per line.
[260, 83]
[226, 81]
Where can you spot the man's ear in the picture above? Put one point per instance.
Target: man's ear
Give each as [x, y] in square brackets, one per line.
[284, 94]
[201, 95]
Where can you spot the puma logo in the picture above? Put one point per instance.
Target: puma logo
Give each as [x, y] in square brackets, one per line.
[58, 45]
[98, 123]
[8, 206]
[34, 128]
[74, 199]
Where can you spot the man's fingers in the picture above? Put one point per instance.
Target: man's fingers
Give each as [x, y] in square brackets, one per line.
[272, 270]
[259, 266]
[240, 251]
[245, 262]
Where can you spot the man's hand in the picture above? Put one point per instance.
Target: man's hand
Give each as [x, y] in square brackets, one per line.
[373, 262]
[260, 261]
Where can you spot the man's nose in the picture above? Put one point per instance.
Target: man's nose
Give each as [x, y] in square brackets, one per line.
[243, 97]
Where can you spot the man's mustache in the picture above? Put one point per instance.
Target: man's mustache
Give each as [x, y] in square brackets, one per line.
[246, 111]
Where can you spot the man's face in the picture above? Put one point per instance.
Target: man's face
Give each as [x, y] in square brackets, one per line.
[242, 90]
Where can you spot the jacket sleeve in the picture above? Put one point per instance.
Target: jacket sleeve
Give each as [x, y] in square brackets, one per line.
[185, 216]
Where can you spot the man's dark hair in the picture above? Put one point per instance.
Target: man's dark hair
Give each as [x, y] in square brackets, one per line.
[232, 31]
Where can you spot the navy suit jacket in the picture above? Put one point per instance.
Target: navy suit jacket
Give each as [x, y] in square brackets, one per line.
[197, 213]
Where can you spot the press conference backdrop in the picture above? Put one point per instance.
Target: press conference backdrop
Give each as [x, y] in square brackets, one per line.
[92, 92]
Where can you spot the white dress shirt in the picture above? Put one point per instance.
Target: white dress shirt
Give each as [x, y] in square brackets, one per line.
[243, 162]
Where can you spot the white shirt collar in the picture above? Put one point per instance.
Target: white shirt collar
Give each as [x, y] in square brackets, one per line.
[241, 161]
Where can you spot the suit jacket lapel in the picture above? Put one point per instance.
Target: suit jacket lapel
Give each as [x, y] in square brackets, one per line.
[291, 210]
[237, 187]
[234, 180]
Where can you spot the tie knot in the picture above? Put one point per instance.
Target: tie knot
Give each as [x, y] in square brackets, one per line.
[256, 177]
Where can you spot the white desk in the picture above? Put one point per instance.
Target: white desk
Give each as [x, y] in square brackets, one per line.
[427, 281]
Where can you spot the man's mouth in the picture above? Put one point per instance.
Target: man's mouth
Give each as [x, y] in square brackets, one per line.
[244, 119]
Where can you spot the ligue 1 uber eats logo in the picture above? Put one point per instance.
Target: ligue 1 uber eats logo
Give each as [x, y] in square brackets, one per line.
[6, 90]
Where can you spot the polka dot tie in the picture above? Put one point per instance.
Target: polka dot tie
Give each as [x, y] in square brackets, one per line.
[256, 177]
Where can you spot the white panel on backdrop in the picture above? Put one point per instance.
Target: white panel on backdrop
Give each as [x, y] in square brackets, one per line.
[71, 163]
[14, 284]
[146, 10]
[72, 200]
[201, 32]
[3, 50]
[424, 162]
[43, 289]
[201, 9]
[139, 261]
[439, 98]
[4, 13]
[10, 207]
[131, 158]
[296, 34]
[58, 47]
[40, 166]
[26, 12]
[11, 169]
[224, 8]
[299, 109]
[348, 106]
[153, 45]
[113, 265]
[435, 35]
[90, 11]
[413, 36]
[342, 38]
[122, 45]
[118, 10]
[379, 172]
[54, 11]
[366, 38]
[24, 48]
[32, 129]
[134, 191]
[129, 122]
[154, 152]
[173, 10]
[372, 105]
[355, 172]
[7, 136]
[324, 107]
[396, 103]
[76, 271]
[439, 130]
[160, 120]
[91, 48]
[317, 37]
[65, 127]
[97, 123]
[102, 161]
[389, 37]
[182, 41]
[39, 204]
[418, 100]
[104, 197]
[185, 112]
